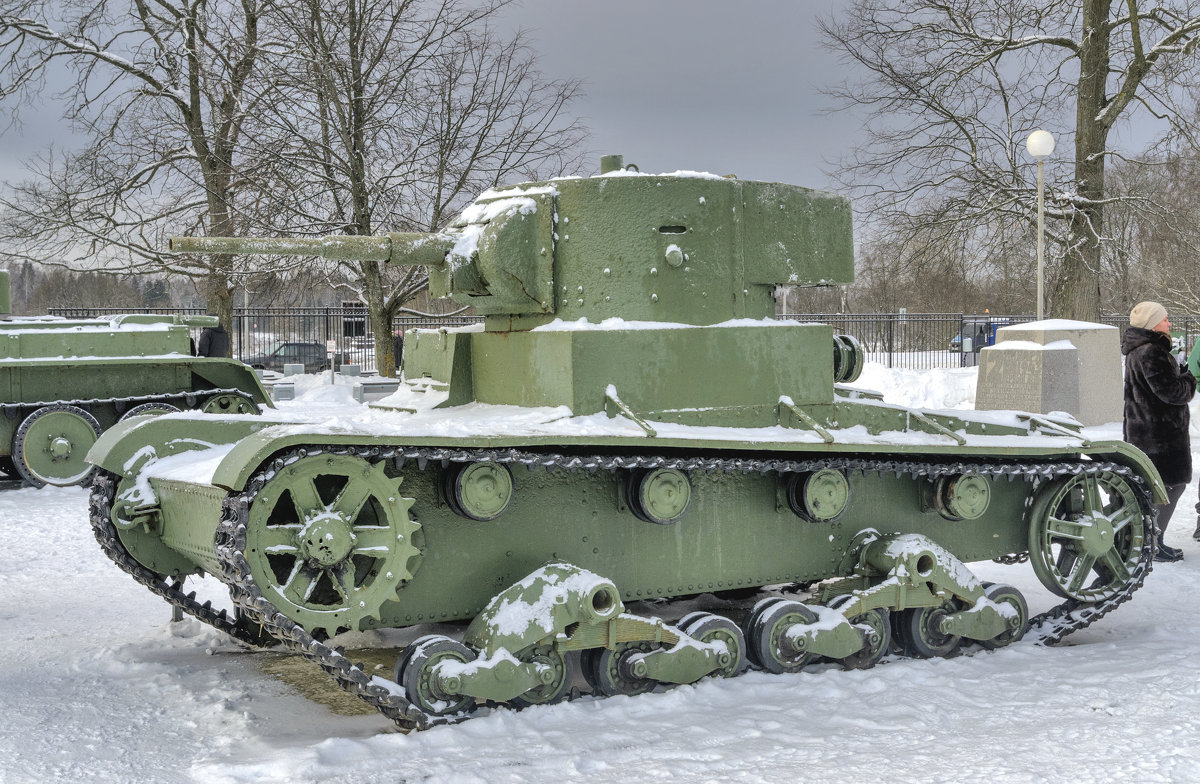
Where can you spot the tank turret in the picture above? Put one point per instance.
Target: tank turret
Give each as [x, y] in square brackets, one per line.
[565, 271]
[687, 248]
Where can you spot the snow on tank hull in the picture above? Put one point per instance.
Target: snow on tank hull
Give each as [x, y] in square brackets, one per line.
[629, 426]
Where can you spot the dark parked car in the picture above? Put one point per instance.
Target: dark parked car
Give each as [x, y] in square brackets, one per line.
[311, 354]
[981, 331]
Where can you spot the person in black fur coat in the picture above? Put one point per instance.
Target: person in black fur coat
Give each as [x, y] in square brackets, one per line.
[1157, 392]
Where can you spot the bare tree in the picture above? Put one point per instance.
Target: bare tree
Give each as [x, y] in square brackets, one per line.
[396, 112]
[953, 87]
[162, 93]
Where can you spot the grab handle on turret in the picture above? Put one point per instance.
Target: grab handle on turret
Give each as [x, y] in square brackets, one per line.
[402, 248]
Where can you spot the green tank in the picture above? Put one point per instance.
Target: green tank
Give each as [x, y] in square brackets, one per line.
[629, 475]
[64, 381]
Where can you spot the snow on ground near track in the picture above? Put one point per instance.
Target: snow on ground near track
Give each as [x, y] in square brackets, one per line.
[96, 685]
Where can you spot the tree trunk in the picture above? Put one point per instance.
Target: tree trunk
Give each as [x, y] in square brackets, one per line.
[1077, 295]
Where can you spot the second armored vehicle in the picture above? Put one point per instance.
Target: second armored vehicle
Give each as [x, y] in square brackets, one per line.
[63, 382]
[629, 470]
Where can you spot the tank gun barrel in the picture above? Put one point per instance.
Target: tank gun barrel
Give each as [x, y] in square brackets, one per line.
[404, 248]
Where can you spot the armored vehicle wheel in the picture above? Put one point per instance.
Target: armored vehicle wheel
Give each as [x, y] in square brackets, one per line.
[918, 631]
[880, 638]
[150, 409]
[329, 540]
[1006, 594]
[962, 496]
[50, 446]
[478, 491]
[563, 669]
[709, 627]
[769, 646]
[608, 671]
[229, 403]
[1085, 535]
[819, 496]
[660, 495]
[419, 680]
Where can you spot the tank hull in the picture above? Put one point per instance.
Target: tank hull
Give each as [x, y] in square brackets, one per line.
[570, 499]
[64, 382]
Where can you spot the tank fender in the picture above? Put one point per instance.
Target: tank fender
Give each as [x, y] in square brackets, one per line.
[221, 373]
[1129, 455]
[126, 447]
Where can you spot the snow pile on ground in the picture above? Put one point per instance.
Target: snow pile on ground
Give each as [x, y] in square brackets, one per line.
[97, 685]
[939, 388]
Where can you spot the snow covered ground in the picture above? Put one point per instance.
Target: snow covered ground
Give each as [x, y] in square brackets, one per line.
[97, 685]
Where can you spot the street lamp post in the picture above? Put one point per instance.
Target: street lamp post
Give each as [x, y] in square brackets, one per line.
[1040, 144]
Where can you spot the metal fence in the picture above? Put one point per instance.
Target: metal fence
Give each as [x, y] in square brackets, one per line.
[900, 340]
[256, 331]
[944, 340]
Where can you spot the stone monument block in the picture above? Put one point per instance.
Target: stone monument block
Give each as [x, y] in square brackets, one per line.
[1054, 365]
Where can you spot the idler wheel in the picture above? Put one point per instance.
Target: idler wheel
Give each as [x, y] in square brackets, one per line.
[560, 671]
[609, 671]
[709, 627]
[329, 541]
[478, 491]
[820, 496]
[1086, 534]
[659, 496]
[1006, 594]
[918, 631]
[769, 646]
[51, 444]
[229, 403]
[416, 672]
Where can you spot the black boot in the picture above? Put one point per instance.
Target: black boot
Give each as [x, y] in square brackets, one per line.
[1196, 533]
[1168, 554]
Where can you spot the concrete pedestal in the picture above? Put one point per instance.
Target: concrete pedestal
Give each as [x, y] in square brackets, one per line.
[1053, 365]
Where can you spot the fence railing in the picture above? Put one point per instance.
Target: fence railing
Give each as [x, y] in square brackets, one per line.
[900, 340]
[944, 340]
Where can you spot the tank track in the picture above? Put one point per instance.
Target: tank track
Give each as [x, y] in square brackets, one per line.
[1047, 628]
[104, 488]
[14, 409]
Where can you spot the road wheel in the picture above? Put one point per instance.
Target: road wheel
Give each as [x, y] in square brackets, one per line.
[51, 445]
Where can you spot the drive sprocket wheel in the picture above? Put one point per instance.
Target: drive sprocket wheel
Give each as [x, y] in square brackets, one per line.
[1086, 534]
[329, 540]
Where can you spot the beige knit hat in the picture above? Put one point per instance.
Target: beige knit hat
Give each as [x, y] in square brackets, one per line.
[1147, 315]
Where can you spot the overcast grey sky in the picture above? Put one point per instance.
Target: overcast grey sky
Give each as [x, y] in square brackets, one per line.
[726, 87]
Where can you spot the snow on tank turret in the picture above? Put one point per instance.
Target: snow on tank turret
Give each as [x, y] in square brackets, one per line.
[629, 425]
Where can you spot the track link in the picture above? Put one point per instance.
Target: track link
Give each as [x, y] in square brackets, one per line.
[259, 616]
